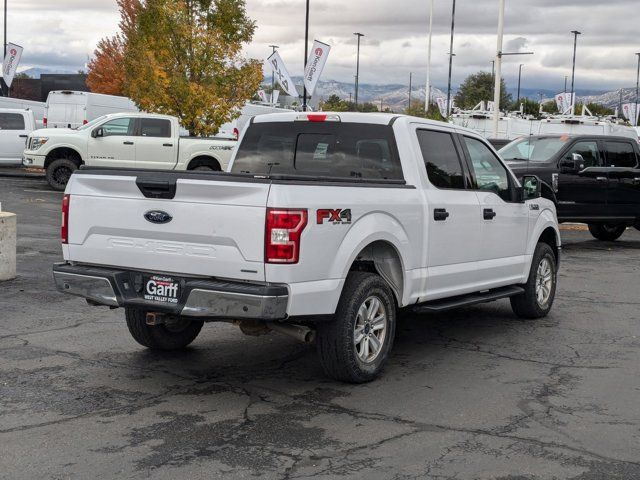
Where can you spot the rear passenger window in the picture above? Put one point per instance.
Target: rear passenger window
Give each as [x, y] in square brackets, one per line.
[621, 154]
[441, 159]
[155, 127]
[11, 121]
[491, 175]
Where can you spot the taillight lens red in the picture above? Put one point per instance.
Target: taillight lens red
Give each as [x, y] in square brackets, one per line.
[64, 230]
[282, 234]
[84, 122]
[44, 121]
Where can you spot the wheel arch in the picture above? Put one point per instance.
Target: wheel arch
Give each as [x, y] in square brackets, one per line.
[382, 257]
[63, 152]
[204, 160]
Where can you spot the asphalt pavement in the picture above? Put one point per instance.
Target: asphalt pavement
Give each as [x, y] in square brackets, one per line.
[470, 394]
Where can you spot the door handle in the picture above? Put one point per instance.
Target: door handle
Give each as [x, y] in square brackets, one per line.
[440, 214]
[167, 144]
[636, 180]
[127, 143]
[488, 214]
[23, 136]
[601, 179]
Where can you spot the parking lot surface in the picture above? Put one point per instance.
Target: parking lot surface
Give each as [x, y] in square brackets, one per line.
[469, 394]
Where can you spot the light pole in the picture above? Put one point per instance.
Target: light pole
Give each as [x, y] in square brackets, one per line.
[453, 26]
[306, 54]
[573, 70]
[273, 75]
[565, 84]
[493, 70]
[637, 90]
[427, 92]
[359, 35]
[519, 80]
[410, 85]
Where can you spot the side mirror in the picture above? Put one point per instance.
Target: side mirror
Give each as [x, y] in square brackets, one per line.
[97, 132]
[531, 187]
[572, 165]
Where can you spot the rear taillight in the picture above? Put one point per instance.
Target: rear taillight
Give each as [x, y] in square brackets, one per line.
[44, 121]
[64, 229]
[84, 122]
[282, 235]
[236, 133]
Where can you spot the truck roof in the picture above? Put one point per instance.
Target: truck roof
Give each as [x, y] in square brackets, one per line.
[577, 136]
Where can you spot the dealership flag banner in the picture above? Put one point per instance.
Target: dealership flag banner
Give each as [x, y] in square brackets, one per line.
[564, 101]
[442, 106]
[11, 61]
[315, 65]
[262, 96]
[274, 96]
[282, 75]
[630, 111]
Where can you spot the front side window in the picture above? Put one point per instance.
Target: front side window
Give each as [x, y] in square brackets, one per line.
[537, 149]
[441, 159]
[621, 154]
[589, 152]
[155, 127]
[325, 149]
[11, 121]
[117, 127]
[491, 175]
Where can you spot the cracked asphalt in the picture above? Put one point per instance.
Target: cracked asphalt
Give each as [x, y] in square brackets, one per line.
[471, 394]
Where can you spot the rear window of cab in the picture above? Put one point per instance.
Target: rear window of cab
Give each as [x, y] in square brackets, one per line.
[325, 149]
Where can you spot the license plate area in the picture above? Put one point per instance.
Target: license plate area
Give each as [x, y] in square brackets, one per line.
[161, 289]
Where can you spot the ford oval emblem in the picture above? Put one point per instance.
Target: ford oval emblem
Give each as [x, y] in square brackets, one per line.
[158, 216]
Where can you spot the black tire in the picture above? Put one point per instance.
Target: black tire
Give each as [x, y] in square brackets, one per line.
[335, 340]
[205, 165]
[528, 305]
[607, 232]
[161, 337]
[59, 172]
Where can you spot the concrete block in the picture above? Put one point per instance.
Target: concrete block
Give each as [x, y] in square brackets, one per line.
[8, 227]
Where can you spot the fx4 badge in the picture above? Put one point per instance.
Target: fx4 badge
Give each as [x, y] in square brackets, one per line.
[534, 206]
[336, 217]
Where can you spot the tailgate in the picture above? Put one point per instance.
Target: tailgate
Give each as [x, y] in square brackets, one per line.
[216, 227]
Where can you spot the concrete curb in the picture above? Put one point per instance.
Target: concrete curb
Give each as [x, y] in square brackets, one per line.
[8, 239]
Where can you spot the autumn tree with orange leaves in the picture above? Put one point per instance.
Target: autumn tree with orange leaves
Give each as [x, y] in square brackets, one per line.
[106, 71]
[183, 58]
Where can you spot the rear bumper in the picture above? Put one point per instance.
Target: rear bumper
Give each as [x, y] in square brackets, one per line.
[207, 299]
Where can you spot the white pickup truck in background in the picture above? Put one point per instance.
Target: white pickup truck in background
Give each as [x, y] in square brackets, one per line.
[324, 226]
[15, 127]
[123, 140]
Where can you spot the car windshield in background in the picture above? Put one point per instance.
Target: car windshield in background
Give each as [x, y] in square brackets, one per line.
[92, 123]
[327, 149]
[533, 149]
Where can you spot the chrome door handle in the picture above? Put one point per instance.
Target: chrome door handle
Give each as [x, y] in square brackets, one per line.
[601, 179]
[636, 180]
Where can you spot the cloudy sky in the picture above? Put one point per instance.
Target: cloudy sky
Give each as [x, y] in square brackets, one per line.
[61, 35]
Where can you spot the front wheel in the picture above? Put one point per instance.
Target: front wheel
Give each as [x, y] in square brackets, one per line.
[540, 289]
[59, 172]
[167, 336]
[607, 232]
[354, 347]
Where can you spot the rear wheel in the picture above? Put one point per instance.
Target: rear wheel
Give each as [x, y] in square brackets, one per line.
[540, 289]
[59, 172]
[354, 347]
[167, 336]
[607, 232]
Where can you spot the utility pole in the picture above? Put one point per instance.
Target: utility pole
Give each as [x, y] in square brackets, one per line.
[410, 85]
[427, 92]
[573, 70]
[637, 90]
[493, 71]
[565, 84]
[5, 87]
[498, 72]
[519, 80]
[453, 26]
[359, 35]
[306, 55]
[273, 75]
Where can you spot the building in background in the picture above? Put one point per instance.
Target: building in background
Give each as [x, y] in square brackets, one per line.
[38, 88]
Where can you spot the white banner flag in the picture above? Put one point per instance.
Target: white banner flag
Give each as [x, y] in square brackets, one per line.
[491, 106]
[274, 97]
[564, 101]
[442, 106]
[315, 65]
[11, 61]
[262, 96]
[282, 75]
[630, 112]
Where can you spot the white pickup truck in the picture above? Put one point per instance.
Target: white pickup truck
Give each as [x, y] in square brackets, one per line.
[15, 127]
[123, 140]
[325, 225]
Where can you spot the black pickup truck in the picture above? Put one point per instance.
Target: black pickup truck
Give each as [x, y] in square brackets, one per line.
[592, 179]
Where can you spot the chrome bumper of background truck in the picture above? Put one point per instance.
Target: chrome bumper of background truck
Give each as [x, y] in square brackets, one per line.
[212, 299]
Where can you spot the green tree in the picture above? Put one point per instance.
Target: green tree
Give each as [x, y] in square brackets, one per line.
[598, 110]
[417, 110]
[185, 59]
[479, 87]
[550, 107]
[531, 107]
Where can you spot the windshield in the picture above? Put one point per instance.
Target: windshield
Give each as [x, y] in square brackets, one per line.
[92, 123]
[327, 149]
[539, 149]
